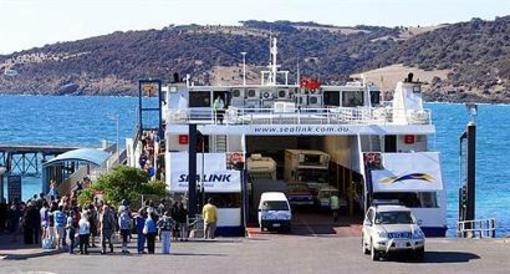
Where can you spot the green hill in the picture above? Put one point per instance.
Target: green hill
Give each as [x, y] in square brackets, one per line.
[476, 52]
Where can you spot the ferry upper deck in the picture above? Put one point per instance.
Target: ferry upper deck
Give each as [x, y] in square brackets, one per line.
[290, 109]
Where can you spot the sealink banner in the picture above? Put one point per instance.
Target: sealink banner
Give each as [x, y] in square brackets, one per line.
[214, 175]
[408, 172]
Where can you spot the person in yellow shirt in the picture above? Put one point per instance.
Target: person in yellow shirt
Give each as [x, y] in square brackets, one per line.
[210, 215]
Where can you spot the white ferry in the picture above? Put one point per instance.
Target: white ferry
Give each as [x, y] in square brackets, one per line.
[378, 151]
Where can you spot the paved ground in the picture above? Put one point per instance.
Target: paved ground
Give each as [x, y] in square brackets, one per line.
[312, 224]
[270, 253]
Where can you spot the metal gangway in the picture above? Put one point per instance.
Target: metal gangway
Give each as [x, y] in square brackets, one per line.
[482, 228]
[26, 160]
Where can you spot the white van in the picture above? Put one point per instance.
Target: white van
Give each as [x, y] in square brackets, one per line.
[274, 212]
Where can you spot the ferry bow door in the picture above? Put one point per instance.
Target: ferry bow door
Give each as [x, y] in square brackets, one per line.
[413, 180]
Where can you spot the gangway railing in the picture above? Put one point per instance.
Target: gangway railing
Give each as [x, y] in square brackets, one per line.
[303, 116]
[482, 228]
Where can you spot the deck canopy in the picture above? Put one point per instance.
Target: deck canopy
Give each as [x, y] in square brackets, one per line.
[88, 155]
[66, 164]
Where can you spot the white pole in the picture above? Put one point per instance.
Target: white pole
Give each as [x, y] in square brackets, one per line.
[117, 123]
[244, 67]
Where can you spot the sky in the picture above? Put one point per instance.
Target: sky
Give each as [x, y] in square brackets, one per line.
[26, 24]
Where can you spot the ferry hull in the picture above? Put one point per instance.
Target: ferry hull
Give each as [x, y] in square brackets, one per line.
[434, 231]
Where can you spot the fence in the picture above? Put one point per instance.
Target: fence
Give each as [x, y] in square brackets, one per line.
[483, 228]
[336, 115]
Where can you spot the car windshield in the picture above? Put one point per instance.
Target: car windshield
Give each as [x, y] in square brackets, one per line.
[312, 175]
[393, 217]
[275, 205]
[297, 188]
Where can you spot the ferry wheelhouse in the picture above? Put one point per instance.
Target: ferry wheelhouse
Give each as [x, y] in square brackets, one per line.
[378, 151]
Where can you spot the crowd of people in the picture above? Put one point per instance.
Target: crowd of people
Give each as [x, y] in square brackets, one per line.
[146, 160]
[62, 224]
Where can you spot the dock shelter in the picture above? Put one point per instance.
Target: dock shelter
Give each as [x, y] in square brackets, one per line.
[64, 165]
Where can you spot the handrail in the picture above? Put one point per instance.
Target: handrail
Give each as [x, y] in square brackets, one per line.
[335, 115]
[484, 228]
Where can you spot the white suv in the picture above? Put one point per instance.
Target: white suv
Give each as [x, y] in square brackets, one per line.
[391, 228]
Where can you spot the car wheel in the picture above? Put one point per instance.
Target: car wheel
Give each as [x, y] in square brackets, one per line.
[374, 254]
[364, 246]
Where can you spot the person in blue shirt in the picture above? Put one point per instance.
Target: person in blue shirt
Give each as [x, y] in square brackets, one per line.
[60, 225]
[125, 227]
[150, 230]
[140, 223]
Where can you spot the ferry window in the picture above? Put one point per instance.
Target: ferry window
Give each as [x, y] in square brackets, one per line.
[200, 99]
[390, 143]
[332, 98]
[410, 199]
[352, 98]
[225, 200]
[428, 199]
[375, 97]
[311, 159]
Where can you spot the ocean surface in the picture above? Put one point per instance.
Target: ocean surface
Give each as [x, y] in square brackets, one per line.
[85, 121]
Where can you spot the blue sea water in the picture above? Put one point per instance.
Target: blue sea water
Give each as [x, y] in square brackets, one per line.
[85, 121]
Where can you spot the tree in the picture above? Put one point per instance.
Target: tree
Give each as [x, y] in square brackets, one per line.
[124, 182]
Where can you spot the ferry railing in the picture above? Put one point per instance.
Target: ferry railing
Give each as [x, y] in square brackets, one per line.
[482, 228]
[303, 116]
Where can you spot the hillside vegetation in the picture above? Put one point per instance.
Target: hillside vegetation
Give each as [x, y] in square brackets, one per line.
[476, 53]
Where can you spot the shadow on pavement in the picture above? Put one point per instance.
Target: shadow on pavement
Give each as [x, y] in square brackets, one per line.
[196, 254]
[449, 257]
[439, 257]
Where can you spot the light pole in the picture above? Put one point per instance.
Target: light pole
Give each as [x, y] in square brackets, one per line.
[117, 116]
[244, 67]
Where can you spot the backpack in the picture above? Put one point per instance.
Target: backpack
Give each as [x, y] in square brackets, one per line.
[125, 221]
[48, 243]
[60, 219]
